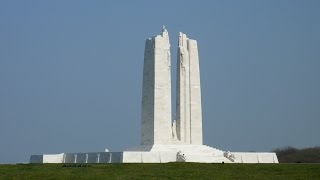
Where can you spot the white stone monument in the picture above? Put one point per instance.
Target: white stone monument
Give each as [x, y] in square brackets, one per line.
[167, 140]
[163, 139]
[156, 123]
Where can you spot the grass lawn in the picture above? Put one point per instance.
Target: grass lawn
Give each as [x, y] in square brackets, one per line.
[161, 171]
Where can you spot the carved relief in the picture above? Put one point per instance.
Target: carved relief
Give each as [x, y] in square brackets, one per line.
[181, 157]
[229, 155]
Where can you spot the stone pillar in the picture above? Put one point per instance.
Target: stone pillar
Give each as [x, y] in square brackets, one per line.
[195, 94]
[183, 95]
[189, 114]
[156, 91]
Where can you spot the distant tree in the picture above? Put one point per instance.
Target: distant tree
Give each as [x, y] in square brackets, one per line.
[293, 155]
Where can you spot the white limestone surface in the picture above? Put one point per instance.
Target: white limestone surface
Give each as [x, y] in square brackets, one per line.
[189, 113]
[255, 157]
[53, 158]
[150, 157]
[168, 153]
[156, 91]
[159, 154]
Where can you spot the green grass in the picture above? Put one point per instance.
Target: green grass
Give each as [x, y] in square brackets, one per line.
[162, 171]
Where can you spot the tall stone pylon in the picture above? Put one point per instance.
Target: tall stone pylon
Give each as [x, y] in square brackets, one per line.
[156, 91]
[189, 113]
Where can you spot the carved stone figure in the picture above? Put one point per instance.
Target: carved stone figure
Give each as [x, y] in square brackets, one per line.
[181, 157]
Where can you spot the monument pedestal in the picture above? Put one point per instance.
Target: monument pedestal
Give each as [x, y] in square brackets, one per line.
[192, 153]
[174, 153]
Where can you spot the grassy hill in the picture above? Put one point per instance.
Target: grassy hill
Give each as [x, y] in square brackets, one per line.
[161, 171]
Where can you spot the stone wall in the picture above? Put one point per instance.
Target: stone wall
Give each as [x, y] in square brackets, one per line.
[98, 157]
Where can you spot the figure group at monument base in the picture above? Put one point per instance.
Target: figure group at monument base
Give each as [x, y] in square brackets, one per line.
[162, 138]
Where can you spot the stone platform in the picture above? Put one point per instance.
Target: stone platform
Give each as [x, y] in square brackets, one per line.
[159, 154]
[174, 153]
[192, 153]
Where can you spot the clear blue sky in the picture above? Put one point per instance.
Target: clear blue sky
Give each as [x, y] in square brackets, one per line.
[71, 72]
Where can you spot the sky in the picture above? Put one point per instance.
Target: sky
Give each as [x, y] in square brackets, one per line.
[71, 72]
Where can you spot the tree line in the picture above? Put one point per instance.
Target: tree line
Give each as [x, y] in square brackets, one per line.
[294, 155]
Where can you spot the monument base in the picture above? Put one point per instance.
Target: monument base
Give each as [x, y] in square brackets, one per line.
[192, 153]
[160, 154]
[174, 153]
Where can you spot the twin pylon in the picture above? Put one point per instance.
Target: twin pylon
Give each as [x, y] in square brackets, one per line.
[156, 120]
